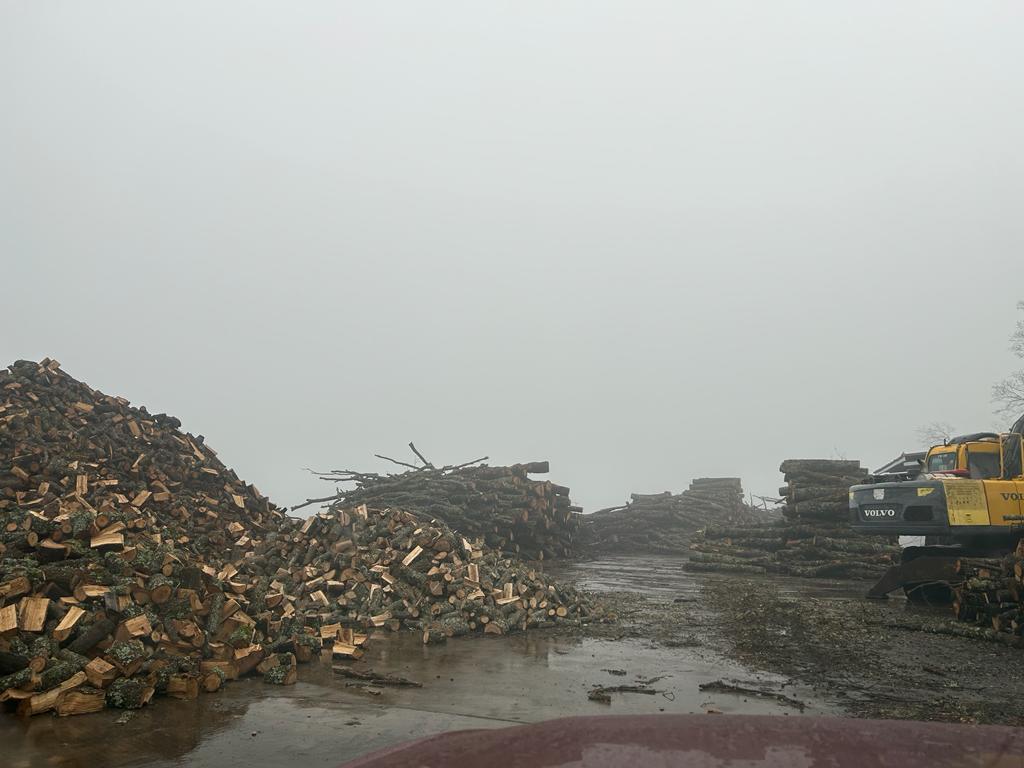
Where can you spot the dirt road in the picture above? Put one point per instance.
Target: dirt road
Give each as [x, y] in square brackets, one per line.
[865, 658]
[880, 660]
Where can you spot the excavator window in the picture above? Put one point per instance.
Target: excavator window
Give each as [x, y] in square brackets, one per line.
[1012, 456]
[983, 466]
[942, 462]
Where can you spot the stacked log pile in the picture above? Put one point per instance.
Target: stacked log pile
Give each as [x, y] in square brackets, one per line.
[665, 523]
[134, 563]
[817, 491]
[501, 506]
[814, 539]
[989, 594]
[988, 601]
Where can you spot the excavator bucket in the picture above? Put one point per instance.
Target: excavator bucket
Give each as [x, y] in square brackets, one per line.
[926, 576]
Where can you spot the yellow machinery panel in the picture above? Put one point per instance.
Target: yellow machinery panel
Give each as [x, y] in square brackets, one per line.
[966, 502]
[1003, 501]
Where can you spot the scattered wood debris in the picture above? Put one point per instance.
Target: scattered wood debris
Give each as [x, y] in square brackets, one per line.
[376, 678]
[650, 680]
[720, 686]
[364, 688]
[603, 693]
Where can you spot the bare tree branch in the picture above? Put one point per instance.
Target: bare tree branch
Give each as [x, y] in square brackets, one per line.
[467, 464]
[420, 455]
[396, 461]
[1008, 394]
[935, 432]
[307, 502]
[1017, 338]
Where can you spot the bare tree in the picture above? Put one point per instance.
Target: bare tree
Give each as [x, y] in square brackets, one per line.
[1008, 394]
[935, 432]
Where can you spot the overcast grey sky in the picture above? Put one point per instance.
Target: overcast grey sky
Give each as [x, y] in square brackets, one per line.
[647, 241]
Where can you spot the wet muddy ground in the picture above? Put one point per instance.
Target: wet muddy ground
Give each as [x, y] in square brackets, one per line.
[872, 659]
[791, 646]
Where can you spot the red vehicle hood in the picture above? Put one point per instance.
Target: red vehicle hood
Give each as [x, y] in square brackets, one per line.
[653, 741]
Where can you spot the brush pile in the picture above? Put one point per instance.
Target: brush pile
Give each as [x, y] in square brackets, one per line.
[134, 563]
[665, 523]
[813, 540]
[501, 506]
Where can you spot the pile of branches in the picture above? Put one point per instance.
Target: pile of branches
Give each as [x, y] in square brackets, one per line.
[814, 539]
[665, 523]
[500, 506]
[133, 562]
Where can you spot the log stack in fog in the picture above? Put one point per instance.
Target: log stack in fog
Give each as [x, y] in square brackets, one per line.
[814, 540]
[665, 523]
[817, 491]
[500, 506]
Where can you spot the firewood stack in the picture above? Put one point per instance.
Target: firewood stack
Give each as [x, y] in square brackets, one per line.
[369, 568]
[501, 506]
[814, 539]
[134, 563]
[665, 523]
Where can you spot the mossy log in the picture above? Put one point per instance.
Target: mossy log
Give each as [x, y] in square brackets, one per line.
[129, 693]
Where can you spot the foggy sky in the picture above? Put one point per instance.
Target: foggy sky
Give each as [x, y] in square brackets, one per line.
[647, 241]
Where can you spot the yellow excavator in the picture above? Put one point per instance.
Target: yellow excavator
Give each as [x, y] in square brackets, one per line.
[968, 500]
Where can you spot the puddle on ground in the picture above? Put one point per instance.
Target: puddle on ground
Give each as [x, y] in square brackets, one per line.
[663, 576]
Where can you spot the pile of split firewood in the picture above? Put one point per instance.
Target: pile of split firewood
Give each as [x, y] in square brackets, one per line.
[134, 563]
[665, 523]
[813, 540]
[389, 568]
[502, 506]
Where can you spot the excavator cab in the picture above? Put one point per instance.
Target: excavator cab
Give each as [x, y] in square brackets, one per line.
[975, 456]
